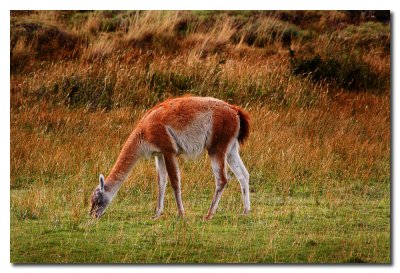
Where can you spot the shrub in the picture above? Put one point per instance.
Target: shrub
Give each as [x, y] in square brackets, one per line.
[346, 71]
[359, 16]
[47, 41]
[93, 92]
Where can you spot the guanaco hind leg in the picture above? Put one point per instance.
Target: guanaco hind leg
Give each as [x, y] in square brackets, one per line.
[241, 173]
[219, 169]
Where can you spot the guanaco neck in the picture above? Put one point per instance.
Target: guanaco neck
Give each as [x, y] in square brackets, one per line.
[130, 153]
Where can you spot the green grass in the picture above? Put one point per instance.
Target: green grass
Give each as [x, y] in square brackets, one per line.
[279, 230]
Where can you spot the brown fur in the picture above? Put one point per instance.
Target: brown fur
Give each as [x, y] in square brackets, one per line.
[178, 113]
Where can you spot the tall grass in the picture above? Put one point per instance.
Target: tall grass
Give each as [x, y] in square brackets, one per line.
[318, 154]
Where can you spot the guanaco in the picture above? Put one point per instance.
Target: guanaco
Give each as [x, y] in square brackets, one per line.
[182, 126]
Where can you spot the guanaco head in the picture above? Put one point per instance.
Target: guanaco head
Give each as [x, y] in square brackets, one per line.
[100, 200]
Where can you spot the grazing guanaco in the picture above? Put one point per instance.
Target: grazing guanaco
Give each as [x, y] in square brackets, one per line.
[187, 126]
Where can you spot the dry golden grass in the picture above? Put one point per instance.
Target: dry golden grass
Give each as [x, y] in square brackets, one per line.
[151, 23]
[101, 48]
[92, 24]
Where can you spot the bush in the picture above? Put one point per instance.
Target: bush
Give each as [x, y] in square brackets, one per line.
[346, 71]
[46, 41]
[93, 92]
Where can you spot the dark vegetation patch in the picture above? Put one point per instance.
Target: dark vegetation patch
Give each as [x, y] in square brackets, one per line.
[182, 27]
[355, 260]
[311, 243]
[259, 35]
[94, 91]
[47, 41]
[346, 71]
[162, 43]
[30, 40]
[300, 18]
[358, 16]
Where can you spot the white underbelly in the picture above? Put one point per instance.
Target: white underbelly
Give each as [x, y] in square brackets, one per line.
[192, 140]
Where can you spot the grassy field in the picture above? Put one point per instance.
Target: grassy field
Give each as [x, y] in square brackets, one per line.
[318, 153]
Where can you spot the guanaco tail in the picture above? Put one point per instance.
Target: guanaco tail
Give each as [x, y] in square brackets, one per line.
[182, 126]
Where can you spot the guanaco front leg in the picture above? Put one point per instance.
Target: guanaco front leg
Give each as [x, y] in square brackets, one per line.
[175, 179]
[162, 183]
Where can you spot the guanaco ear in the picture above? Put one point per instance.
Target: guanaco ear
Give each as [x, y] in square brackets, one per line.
[101, 179]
